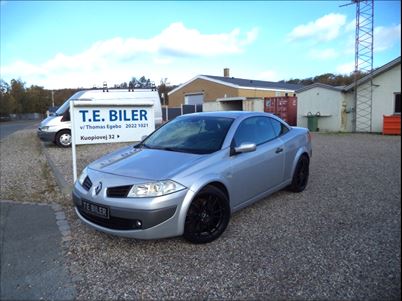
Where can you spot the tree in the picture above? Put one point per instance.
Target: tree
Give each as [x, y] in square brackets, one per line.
[8, 104]
[164, 88]
[142, 82]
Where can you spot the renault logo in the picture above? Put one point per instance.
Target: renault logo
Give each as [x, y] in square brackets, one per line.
[98, 188]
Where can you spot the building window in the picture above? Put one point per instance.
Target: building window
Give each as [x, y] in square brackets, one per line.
[397, 103]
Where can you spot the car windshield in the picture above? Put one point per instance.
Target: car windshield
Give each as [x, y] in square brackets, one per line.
[190, 134]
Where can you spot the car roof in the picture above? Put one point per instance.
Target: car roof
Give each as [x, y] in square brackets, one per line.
[231, 114]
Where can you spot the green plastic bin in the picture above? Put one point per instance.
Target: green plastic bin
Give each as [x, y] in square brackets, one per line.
[312, 123]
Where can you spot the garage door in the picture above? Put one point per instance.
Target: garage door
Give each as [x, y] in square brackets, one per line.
[194, 99]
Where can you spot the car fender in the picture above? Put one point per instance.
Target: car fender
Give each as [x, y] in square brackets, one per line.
[202, 182]
[299, 153]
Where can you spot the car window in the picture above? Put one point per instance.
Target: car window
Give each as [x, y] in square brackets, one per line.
[279, 127]
[254, 130]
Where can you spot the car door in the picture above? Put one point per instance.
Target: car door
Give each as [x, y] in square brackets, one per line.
[256, 172]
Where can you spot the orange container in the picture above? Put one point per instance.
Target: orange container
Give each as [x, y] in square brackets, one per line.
[392, 125]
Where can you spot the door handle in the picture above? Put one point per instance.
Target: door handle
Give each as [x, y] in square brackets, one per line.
[279, 150]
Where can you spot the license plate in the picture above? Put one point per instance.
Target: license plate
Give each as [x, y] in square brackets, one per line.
[95, 209]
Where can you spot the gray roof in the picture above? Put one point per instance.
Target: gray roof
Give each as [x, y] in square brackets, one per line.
[376, 72]
[320, 85]
[251, 83]
[350, 87]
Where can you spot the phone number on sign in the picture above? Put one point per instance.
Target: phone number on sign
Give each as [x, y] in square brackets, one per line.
[136, 125]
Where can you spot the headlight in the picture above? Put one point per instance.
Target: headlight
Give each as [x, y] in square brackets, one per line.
[82, 176]
[154, 189]
[44, 128]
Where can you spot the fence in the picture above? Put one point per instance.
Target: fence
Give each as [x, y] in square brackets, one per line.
[26, 116]
[171, 113]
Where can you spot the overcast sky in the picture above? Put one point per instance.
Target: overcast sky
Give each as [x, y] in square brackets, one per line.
[74, 44]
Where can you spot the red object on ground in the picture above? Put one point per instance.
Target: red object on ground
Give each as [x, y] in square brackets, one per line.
[284, 107]
[392, 125]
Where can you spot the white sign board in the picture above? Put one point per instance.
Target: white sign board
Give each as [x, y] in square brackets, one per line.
[109, 124]
[105, 121]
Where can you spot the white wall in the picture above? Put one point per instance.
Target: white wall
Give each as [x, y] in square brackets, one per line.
[211, 106]
[325, 101]
[385, 85]
[254, 105]
[383, 96]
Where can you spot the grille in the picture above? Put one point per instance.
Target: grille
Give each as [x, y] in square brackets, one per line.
[118, 191]
[115, 223]
[87, 184]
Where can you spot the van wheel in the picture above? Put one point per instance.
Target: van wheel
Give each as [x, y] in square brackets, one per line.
[207, 217]
[63, 138]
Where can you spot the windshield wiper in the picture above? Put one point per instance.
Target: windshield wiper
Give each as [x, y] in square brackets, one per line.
[142, 145]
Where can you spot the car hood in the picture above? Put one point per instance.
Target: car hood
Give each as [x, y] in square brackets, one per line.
[148, 164]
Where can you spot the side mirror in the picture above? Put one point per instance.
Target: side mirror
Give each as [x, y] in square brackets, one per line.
[243, 148]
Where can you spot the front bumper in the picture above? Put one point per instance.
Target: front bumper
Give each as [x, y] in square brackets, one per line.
[156, 222]
[46, 136]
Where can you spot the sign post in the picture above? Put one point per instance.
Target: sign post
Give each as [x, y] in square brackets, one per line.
[104, 121]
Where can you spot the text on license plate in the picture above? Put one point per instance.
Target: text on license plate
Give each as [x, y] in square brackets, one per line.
[95, 209]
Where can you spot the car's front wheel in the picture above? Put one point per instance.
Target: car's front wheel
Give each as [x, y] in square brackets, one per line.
[63, 138]
[207, 217]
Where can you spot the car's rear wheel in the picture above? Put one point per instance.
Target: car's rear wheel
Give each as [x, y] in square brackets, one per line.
[63, 138]
[207, 217]
[301, 175]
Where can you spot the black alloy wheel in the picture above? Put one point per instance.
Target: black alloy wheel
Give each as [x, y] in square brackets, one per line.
[301, 174]
[207, 217]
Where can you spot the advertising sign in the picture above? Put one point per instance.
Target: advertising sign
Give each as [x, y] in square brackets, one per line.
[113, 124]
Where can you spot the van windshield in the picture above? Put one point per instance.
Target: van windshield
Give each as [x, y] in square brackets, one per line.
[60, 111]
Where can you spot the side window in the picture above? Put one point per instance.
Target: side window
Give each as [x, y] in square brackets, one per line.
[254, 130]
[66, 115]
[397, 106]
[279, 127]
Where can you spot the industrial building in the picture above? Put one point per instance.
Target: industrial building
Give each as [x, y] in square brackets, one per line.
[335, 109]
[232, 91]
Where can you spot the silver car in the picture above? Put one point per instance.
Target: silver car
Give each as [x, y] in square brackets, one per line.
[191, 174]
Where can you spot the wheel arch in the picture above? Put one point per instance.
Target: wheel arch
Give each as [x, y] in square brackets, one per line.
[193, 192]
[301, 152]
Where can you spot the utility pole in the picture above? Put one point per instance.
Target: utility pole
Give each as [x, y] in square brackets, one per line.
[52, 98]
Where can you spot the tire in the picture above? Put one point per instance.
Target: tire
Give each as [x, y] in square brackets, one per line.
[63, 138]
[301, 175]
[207, 216]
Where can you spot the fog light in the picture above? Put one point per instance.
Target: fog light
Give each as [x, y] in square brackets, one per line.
[138, 224]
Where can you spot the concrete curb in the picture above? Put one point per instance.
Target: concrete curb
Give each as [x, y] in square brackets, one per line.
[61, 182]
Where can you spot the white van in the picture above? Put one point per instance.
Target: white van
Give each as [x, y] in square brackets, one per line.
[57, 127]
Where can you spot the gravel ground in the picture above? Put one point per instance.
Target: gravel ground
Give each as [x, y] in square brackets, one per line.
[338, 240]
[25, 175]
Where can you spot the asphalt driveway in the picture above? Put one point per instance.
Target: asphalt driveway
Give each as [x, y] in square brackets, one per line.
[32, 260]
[9, 127]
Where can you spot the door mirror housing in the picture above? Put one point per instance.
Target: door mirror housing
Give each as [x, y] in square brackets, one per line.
[243, 148]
